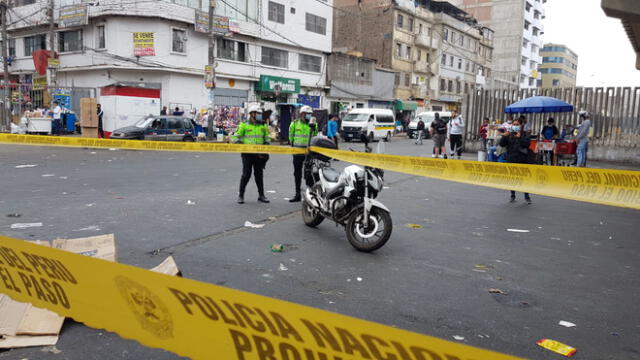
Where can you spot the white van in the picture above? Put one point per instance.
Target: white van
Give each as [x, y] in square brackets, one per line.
[427, 118]
[374, 123]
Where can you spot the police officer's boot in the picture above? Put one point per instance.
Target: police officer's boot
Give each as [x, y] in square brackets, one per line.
[240, 199]
[296, 198]
[263, 199]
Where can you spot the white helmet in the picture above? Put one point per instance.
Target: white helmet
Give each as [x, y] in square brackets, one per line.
[255, 108]
[584, 114]
[306, 109]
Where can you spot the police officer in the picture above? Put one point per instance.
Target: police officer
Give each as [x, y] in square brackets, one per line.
[300, 131]
[253, 132]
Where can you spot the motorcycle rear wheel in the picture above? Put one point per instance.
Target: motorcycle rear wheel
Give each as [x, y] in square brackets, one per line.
[311, 217]
[372, 237]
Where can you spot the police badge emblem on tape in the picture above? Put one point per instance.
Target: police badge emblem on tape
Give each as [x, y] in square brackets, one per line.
[148, 309]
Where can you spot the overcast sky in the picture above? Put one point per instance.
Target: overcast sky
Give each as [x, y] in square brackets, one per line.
[605, 55]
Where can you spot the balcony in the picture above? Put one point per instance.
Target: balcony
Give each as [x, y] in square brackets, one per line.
[421, 67]
[419, 91]
[425, 41]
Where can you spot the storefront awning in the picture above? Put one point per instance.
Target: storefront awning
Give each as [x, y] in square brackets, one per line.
[404, 105]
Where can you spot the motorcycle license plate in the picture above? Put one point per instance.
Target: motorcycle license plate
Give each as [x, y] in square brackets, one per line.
[350, 135]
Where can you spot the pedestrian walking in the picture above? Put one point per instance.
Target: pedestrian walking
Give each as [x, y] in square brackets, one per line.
[332, 129]
[456, 129]
[420, 128]
[100, 127]
[439, 134]
[300, 132]
[253, 132]
[583, 138]
[516, 144]
[484, 132]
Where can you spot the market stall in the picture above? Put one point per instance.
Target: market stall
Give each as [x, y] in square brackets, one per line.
[38, 122]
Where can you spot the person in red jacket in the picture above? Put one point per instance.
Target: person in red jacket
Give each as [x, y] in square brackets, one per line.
[484, 131]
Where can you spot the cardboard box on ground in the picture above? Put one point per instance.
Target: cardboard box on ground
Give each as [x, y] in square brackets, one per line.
[23, 325]
[89, 117]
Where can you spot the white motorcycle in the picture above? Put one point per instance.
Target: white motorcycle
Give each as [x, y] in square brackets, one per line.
[348, 198]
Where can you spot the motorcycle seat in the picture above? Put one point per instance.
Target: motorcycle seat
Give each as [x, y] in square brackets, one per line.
[330, 174]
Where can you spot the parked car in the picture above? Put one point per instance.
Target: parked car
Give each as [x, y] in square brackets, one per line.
[427, 118]
[356, 123]
[159, 128]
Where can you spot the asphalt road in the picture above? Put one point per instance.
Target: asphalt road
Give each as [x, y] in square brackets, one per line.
[578, 263]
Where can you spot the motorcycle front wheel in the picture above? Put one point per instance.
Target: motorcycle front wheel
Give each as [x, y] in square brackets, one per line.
[310, 216]
[373, 236]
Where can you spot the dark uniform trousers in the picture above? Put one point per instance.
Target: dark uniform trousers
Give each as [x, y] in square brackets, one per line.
[298, 163]
[257, 163]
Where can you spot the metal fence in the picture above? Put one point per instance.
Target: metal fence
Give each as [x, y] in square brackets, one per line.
[26, 97]
[615, 112]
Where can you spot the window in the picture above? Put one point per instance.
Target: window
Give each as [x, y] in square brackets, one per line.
[524, 61]
[174, 124]
[554, 49]
[443, 62]
[466, 88]
[536, 14]
[526, 25]
[525, 43]
[235, 9]
[461, 40]
[459, 64]
[397, 79]
[398, 50]
[532, 64]
[408, 53]
[453, 37]
[187, 124]
[18, 3]
[528, 6]
[534, 49]
[458, 87]
[407, 80]
[310, 63]
[179, 43]
[443, 84]
[419, 55]
[410, 24]
[33, 43]
[446, 34]
[451, 60]
[531, 81]
[316, 24]
[70, 41]
[466, 66]
[450, 86]
[419, 28]
[428, 58]
[555, 82]
[400, 21]
[275, 57]
[536, 31]
[276, 12]
[101, 42]
[12, 47]
[231, 50]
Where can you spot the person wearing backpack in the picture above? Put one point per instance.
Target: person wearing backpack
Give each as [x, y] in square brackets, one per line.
[420, 128]
[456, 129]
[439, 134]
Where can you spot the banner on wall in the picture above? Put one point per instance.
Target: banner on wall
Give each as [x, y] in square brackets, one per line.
[143, 44]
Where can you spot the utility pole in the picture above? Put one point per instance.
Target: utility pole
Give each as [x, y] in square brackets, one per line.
[212, 61]
[52, 49]
[6, 116]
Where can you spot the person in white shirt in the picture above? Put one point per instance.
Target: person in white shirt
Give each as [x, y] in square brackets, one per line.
[57, 118]
[456, 129]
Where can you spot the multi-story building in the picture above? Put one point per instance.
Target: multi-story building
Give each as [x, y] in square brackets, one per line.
[411, 38]
[559, 67]
[518, 29]
[266, 50]
[628, 12]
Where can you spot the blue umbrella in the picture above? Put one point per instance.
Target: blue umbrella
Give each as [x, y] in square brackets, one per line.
[538, 104]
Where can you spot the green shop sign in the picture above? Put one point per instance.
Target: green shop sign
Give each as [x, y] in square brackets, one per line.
[278, 84]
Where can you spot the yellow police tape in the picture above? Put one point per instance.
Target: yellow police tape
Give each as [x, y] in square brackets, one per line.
[145, 145]
[601, 186]
[199, 320]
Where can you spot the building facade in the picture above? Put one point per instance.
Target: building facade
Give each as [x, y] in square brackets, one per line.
[518, 26]
[270, 51]
[411, 38]
[559, 67]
